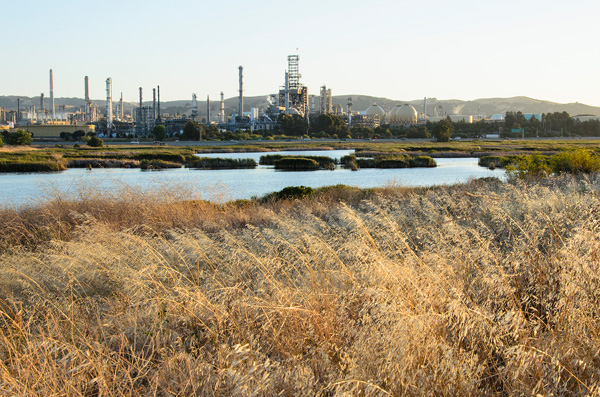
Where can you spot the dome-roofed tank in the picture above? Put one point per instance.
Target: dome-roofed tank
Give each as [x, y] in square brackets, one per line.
[393, 118]
[375, 109]
[406, 114]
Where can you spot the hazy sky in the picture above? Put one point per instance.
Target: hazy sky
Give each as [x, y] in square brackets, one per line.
[404, 50]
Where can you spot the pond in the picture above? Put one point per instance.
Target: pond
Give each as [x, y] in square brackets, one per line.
[17, 189]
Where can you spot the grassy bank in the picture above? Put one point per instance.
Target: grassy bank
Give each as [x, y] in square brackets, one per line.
[479, 289]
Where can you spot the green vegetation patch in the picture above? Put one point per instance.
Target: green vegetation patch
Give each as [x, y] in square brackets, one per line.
[389, 161]
[158, 164]
[31, 166]
[323, 161]
[220, 163]
[536, 165]
[289, 193]
[297, 164]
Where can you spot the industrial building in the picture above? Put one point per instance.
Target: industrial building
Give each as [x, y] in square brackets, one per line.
[291, 99]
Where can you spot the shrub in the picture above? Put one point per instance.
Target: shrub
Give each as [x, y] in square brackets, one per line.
[290, 193]
[1, 142]
[20, 137]
[532, 166]
[578, 161]
[94, 141]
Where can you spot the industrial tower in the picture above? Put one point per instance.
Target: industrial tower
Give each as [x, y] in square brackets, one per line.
[109, 120]
[294, 95]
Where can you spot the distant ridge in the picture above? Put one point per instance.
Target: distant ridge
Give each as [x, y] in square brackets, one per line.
[486, 106]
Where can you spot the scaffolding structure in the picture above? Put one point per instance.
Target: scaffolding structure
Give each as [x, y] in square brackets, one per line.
[294, 96]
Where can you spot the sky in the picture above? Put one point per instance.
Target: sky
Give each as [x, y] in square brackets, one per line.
[402, 50]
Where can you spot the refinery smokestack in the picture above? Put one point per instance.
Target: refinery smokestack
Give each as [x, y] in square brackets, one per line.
[52, 94]
[222, 113]
[42, 105]
[88, 109]
[241, 112]
[208, 110]
[158, 105]
[122, 115]
[287, 92]
[154, 103]
[109, 121]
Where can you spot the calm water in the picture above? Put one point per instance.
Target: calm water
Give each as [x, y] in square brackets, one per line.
[219, 185]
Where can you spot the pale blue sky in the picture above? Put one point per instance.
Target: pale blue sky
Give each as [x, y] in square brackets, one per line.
[401, 50]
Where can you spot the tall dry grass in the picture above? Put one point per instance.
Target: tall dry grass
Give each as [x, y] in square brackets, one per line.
[481, 289]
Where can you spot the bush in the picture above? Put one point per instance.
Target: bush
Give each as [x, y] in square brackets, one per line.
[1, 142]
[532, 166]
[20, 137]
[94, 141]
[290, 193]
[578, 161]
[535, 165]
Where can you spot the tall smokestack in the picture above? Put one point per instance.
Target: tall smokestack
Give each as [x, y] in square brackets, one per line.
[18, 109]
[88, 115]
[241, 112]
[222, 113]
[52, 94]
[425, 108]
[122, 115]
[208, 110]
[109, 115]
[158, 105]
[42, 105]
[287, 92]
[154, 104]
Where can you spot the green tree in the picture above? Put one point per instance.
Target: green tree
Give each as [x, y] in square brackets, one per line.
[1, 142]
[94, 141]
[192, 131]
[20, 137]
[77, 135]
[418, 132]
[159, 132]
[292, 125]
[331, 125]
[442, 130]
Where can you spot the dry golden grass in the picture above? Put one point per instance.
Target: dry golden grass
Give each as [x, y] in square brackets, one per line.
[481, 289]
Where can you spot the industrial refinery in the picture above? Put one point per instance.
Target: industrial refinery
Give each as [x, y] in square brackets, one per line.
[119, 119]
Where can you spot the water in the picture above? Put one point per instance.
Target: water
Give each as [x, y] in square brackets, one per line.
[17, 189]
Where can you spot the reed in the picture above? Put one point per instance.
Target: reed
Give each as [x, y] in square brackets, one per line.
[486, 288]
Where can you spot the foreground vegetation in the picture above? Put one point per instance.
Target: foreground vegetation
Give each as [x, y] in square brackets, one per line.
[478, 289]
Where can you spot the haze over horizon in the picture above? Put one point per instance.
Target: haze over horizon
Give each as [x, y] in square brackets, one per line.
[399, 50]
